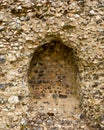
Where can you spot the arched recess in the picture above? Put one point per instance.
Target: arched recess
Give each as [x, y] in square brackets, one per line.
[52, 78]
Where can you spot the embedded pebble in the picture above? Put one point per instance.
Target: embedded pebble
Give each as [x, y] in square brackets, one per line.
[13, 99]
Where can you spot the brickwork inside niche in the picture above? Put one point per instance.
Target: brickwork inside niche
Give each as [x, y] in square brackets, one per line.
[52, 77]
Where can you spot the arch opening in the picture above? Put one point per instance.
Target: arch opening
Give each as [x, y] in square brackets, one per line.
[52, 79]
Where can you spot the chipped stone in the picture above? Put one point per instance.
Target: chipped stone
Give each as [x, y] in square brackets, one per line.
[2, 59]
[92, 12]
[2, 28]
[11, 57]
[23, 122]
[2, 86]
[1, 17]
[13, 99]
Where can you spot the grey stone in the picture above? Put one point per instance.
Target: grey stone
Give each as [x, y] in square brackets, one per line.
[39, 121]
[19, 8]
[23, 122]
[92, 12]
[2, 28]
[82, 116]
[102, 118]
[101, 127]
[2, 86]
[101, 5]
[2, 101]
[11, 57]
[1, 16]
[55, 95]
[49, 122]
[2, 59]
[23, 18]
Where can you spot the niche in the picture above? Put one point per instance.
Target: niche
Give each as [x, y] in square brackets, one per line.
[52, 78]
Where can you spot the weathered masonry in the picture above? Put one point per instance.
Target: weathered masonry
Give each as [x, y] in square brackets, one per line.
[52, 56]
[52, 63]
[52, 76]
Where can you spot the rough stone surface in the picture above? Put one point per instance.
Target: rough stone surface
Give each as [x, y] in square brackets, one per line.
[25, 25]
[13, 99]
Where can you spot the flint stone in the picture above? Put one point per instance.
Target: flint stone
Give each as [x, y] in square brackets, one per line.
[1, 17]
[2, 101]
[2, 86]
[23, 122]
[2, 28]
[11, 57]
[101, 127]
[2, 59]
[102, 118]
[13, 99]
[49, 122]
[92, 12]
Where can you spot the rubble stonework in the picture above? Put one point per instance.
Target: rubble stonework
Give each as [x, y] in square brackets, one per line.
[79, 24]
